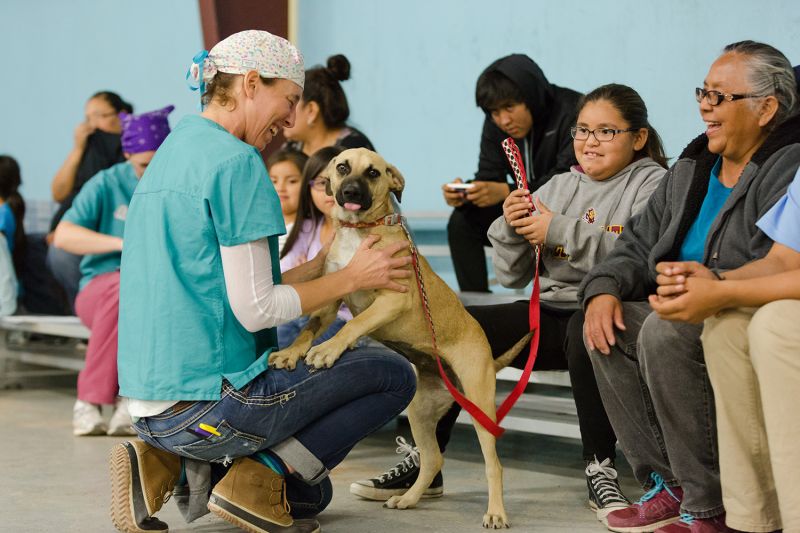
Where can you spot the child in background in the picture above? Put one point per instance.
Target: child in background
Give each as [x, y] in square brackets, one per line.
[313, 228]
[12, 214]
[93, 227]
[285, 168]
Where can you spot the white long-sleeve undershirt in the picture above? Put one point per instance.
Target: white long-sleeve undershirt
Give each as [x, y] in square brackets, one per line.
[256, 302]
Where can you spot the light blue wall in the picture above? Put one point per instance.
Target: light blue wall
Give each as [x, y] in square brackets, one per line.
[415, 63]
[55, 54]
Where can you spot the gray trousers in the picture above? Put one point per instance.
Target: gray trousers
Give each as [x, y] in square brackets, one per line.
[656, 392]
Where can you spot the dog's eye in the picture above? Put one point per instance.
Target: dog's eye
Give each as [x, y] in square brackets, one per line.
[372, 173]
[342, 169]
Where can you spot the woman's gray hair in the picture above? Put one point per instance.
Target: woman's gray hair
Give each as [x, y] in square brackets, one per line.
[769, 73]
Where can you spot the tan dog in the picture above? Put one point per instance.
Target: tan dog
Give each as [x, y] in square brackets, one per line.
[360, 181]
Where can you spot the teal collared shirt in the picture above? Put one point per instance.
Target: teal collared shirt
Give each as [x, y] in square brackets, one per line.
[102, 206]
[178, 337]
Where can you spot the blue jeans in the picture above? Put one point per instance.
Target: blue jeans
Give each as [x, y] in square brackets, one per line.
[309, 418]
[66, 268]
[287, 333]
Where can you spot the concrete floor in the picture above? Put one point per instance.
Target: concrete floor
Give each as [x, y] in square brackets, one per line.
[53, 482]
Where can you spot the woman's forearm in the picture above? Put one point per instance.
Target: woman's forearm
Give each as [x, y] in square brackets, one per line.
[755, 292]
[64, 180]
[78, 240]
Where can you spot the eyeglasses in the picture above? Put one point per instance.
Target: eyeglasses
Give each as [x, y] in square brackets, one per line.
[716, 97]
[603, 135]
[319, 184]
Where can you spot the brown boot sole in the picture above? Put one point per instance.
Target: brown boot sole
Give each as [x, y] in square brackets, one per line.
[123, 494]
[247, 521]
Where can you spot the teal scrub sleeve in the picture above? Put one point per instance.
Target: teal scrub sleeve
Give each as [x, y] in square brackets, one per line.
[85, 209]
[242, 201]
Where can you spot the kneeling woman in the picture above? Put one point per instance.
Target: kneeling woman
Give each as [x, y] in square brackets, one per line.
[201, 295]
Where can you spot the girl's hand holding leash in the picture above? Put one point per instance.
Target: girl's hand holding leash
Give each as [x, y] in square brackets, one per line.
[532, 227]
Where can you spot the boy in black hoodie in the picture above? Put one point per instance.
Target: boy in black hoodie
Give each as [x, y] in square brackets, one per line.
[519, 102]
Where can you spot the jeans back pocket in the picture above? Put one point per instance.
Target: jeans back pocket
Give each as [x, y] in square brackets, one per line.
[228, 445]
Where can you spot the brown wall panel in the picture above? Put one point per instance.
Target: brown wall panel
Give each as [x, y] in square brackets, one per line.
[221, 18]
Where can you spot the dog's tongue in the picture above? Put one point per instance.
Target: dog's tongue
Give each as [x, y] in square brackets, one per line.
[351, 206]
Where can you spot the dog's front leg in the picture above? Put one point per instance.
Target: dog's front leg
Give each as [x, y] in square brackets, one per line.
[386, 308]
[318, 322]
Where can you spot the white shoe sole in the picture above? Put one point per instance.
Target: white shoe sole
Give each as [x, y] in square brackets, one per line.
[381, 495]
[99, 429]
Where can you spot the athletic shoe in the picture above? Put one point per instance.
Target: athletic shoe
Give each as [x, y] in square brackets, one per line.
[397, 480]
[120, 423]
[690, 524]
[659, 507]
[605, 494]
[87, 419]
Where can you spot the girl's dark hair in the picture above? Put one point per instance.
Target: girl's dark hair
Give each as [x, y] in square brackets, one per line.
[219, 88]
[114, 100]
[323, 87]
[306, 210]
[295, 157]
[10, 181]
[494, 90]
[631, 106]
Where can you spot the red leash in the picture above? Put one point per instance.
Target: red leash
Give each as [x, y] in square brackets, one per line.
[533, 313]
[515, 160]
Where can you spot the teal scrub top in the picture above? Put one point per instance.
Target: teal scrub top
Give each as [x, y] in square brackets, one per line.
[178, 337]
[102, 206]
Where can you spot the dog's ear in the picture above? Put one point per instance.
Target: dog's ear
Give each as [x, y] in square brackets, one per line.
[326, 175]
[397, 181]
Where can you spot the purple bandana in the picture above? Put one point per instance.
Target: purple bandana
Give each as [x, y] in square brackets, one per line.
[144, 132]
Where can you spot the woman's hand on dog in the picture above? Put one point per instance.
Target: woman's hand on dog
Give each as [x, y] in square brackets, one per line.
[377, 268]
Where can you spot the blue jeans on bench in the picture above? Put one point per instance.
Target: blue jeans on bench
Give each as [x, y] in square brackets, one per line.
[309, 418]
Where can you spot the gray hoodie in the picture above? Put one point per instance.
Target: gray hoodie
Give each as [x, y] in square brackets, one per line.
[588, 216]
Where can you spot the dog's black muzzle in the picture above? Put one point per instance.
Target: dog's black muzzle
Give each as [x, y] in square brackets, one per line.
[354, 190]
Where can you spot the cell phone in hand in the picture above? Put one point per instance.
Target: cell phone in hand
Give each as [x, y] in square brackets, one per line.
[460, 186]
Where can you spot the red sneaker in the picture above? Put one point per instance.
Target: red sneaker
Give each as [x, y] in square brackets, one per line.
[690, 524]
[659, 507]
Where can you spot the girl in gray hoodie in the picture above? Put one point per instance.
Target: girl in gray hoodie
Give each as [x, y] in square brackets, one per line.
[577, 217]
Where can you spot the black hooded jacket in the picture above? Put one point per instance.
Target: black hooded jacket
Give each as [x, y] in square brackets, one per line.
[550, 149]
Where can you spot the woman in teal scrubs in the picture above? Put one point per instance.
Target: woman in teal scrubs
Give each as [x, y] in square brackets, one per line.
[201, 294]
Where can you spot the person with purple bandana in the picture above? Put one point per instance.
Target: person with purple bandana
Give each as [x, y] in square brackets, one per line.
[93, 227]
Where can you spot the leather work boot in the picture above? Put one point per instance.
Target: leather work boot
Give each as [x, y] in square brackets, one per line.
[142, 479]
[253, 497]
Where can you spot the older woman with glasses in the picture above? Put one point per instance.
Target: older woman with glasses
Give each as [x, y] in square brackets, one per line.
[651, 372]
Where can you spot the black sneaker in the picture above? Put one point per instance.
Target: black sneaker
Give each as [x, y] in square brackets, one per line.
[397, 480]
[605, 495]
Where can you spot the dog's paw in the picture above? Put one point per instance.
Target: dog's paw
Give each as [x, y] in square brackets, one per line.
[286, 358]
[495, 521]
[325, 354]
[399, 502]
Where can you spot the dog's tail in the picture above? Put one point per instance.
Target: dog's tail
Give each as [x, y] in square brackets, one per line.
[505, 359]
